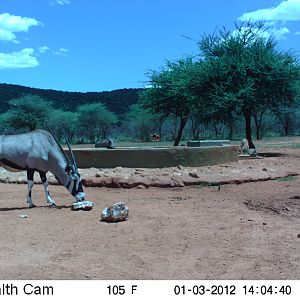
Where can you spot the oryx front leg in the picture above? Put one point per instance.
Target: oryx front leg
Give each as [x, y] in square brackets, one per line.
[30, 174]
[49, 199]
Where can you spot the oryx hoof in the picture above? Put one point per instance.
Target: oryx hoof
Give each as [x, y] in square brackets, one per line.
[31, 205]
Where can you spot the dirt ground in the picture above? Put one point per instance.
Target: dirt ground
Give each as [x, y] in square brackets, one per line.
[235, 231]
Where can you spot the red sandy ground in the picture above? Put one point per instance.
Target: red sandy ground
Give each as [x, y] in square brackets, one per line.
[244, 231]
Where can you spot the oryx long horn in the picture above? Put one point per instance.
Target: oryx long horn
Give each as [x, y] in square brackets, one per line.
[67, 141]
[58, 144]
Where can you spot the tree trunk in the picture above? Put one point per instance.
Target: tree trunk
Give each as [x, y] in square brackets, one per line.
[216, 130]
[257, 127]
[195, 127]
[258, 133]
[258, 121]
[230, 131]
[161, 121]
[32, 127]
[92, 139]
[194, 132]
[197, 134]
[247, 116]
[59, 135]
[287, 126]
[72, 133]
[182, 124]
[175, 128]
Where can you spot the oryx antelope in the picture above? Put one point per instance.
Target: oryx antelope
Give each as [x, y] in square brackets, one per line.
[40, 151]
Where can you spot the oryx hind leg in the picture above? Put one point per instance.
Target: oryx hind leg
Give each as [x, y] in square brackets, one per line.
[49, 199]
[30, 174]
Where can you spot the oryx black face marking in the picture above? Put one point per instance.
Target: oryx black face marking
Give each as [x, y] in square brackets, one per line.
[76, 191]
[75, 182]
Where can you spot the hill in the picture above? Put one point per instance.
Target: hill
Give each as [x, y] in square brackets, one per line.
[118, 101]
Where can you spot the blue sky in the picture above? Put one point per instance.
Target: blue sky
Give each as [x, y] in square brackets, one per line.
[97, 45]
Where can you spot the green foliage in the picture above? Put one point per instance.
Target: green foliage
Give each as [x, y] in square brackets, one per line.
[238, 77]
[295, 146]
[238, 73]
[169, 94]
[59, 120]
[95, 120]
[27, 113]
[202, 185]
[244, 72]
[118, 101]
[141, 122]
[287, 179]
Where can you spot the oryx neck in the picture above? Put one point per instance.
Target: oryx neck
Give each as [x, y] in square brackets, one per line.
[57, 165]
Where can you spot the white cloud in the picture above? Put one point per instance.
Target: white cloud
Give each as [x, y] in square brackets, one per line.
[275, 17]
[43, 49]
[6, 35]
[297, 33]
[18, 60]
[288, 10]
[10, 24]
[16, 23]
[279, 33]
[60, 2]
[61, 51]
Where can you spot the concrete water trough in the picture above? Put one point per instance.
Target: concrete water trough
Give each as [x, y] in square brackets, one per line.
[155, 157]
[206, 143]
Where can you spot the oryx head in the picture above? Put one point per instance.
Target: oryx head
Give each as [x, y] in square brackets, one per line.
[74, 186]
[73, 181]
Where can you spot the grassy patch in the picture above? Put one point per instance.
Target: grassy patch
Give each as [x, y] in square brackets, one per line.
[207, 184]
[295, 146]
[286, 179]
[202, 185]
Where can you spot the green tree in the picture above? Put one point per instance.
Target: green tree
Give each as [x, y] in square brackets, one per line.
[169, 94]
[28, 112]
[244, 72]
[95, 120]
[60, 120]
[285, 115]
[142, 122]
